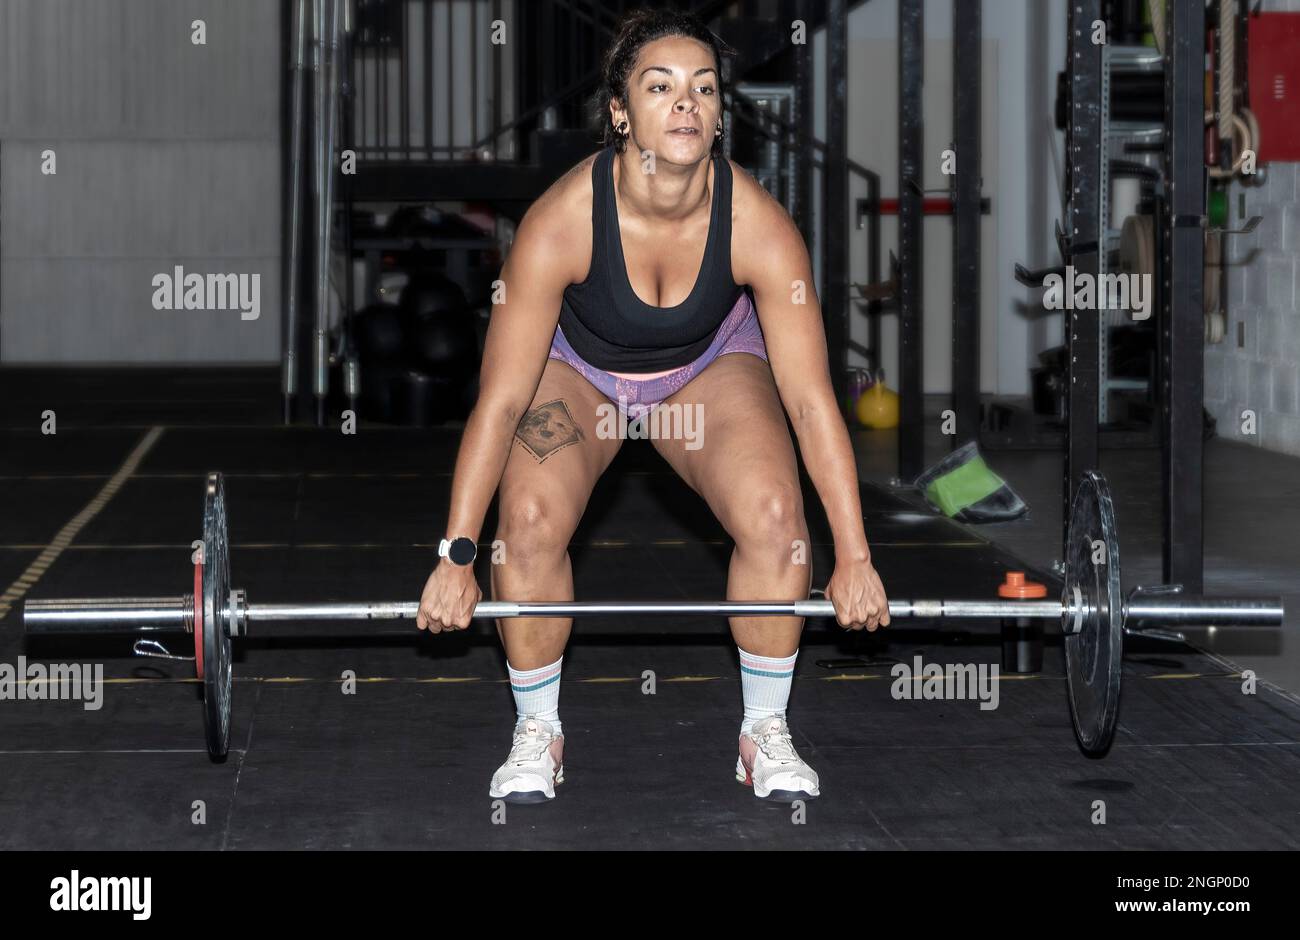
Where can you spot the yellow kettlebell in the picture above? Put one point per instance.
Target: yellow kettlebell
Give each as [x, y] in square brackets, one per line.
[878, 407]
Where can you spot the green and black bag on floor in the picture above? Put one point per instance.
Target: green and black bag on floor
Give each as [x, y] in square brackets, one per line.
[962, 487]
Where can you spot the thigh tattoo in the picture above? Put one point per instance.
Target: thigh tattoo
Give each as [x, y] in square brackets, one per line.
[548, 428]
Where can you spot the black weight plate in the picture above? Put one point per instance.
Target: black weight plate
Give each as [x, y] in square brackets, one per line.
[216, 616]
[1094, 655]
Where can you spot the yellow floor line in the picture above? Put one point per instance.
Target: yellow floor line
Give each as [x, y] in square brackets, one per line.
[14, 593]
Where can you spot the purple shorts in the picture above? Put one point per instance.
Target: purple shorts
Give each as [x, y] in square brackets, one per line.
[739, 332]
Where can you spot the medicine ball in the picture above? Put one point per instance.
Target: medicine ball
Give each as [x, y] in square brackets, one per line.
[443, 338]
[379, 333]
[446, 346]
[430, 294]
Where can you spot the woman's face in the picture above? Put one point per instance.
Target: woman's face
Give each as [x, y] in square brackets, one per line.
[673, 104]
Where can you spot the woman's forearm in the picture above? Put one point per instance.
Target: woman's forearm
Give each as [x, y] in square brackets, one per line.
[828, 454]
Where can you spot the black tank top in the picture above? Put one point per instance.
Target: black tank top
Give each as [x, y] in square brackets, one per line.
[610, 327]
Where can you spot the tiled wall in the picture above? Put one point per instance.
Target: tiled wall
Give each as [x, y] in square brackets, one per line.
[1257, 366]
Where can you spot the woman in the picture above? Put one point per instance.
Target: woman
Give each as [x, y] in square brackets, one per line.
[624, 286]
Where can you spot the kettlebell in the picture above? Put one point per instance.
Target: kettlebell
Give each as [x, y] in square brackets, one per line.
[858, 382]
[878, 406]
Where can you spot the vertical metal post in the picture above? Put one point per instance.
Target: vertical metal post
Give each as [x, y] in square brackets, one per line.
[574, 63]
[348, 351]
[383, 46]
[362, 138]
[328, 97]
[450, 153]
[293, 249]
[835, 187]
[474, 40]
[1085, 150]
[874, 306]
[548, 69]
[1103, 254]
[1182, 329]
[966, 221]
[497, 89]
[911, 379]
[523, 18]
[801, 118]
[426, 90]
[307, 380]
[403, 93]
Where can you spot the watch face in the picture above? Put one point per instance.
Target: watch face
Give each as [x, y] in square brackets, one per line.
[462, 551]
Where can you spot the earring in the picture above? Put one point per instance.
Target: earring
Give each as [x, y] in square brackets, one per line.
[622, 128]
[718, 132]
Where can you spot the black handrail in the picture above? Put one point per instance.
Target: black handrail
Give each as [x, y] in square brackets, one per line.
[790, 132]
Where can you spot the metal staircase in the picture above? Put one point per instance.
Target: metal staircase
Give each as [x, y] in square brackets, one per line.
[429, 117]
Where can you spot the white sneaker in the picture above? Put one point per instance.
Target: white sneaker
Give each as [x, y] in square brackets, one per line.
[769, 763]
[534, 767]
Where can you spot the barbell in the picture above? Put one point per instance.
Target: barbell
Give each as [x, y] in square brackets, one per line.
[1094, 615]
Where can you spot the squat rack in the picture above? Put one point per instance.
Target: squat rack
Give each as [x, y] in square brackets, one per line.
[1179, 375]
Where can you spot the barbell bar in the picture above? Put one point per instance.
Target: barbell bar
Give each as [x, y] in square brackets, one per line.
[1093, 614]
[145, 615]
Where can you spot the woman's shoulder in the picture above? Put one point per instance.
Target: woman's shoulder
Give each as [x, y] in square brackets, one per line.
[760, 225]
[557, 226]
[747, 193]
[569, 198]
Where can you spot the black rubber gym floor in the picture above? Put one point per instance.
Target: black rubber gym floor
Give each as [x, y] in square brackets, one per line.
[404, 761]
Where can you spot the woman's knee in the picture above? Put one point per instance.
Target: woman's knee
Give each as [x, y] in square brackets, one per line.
[533, 527]
[768, 515]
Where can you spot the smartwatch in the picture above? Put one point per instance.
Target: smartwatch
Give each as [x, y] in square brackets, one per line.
[460, 551]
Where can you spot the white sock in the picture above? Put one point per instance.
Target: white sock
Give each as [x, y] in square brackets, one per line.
[765, 683]
[537, 693]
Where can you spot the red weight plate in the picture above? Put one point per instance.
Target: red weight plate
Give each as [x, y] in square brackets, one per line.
[198, 620]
